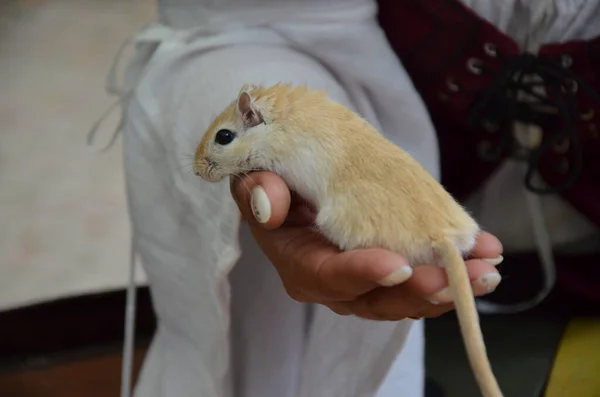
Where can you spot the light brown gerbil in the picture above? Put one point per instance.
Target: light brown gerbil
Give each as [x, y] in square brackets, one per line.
[368, 192]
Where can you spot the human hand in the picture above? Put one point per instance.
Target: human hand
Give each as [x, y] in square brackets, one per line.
[370, 283]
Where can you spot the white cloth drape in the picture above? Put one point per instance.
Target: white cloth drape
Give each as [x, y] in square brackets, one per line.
[186, 230]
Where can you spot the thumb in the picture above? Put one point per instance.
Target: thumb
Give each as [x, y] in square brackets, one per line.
[263, 199]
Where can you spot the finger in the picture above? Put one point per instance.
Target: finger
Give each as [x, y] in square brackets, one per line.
[431, 282]
[427, 280]
[428, 286]
[487, 247]
[326, 274]
[388, 304]
[339, 308]
[392, 304]
[263, 198]
[434, 311]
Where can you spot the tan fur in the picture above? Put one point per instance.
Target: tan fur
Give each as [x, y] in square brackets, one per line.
[368, 192]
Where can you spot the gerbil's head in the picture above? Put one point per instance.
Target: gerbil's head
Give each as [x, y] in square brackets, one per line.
[230, 141]
[247, 135]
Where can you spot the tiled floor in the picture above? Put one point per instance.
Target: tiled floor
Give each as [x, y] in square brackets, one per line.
[63, 221]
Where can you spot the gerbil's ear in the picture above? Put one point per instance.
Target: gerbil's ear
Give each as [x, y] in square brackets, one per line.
[247, 110]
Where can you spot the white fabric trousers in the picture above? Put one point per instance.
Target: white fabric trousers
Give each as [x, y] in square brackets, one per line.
[236, 333]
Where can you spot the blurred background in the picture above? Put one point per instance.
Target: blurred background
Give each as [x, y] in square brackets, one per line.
[64, 229]
[63, 220]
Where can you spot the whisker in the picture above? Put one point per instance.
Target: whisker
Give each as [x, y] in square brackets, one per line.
[189, 171]
[187, 165]
[249, 177]
[244, 182]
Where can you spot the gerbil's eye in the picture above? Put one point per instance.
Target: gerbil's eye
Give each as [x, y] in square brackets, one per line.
[224, 137]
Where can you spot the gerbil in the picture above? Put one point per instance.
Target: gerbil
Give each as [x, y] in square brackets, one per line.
[368, 192]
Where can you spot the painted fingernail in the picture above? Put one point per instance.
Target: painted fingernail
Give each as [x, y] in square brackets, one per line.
[398, 276]
[495, 261]
[443, 296]
[261, 206]
[489, 282]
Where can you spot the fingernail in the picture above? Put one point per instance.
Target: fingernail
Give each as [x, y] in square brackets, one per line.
[489, 282]
[398, 276]
[495, 261]
[261, 207]
[443, 296]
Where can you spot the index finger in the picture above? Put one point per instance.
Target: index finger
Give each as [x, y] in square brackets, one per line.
[318, 272]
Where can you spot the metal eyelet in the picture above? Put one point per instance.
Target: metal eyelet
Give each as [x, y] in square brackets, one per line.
[488, 152]
[562, 147]
[573, 86]
[588, 115]
[452, 86]
[490, 49]
[566, 61]
[474, 65]
[490, 126]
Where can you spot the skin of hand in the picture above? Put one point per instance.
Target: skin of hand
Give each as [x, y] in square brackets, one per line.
[375, 284]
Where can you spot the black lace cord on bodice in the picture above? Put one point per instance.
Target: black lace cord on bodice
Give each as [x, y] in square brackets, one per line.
[499, 103]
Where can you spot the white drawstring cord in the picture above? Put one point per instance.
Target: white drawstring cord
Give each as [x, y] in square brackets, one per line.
[544, 250]
[130, 304]
[130, 309]
[154, 33]
[92, 133]
[112, 88]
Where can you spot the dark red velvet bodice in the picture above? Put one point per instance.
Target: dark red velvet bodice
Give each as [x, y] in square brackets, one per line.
[439, 43]
[436, 40]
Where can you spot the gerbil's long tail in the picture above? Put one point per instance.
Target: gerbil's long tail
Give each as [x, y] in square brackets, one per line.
[468, 319]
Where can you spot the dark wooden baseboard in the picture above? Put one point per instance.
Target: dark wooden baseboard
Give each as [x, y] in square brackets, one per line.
[72, 326]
